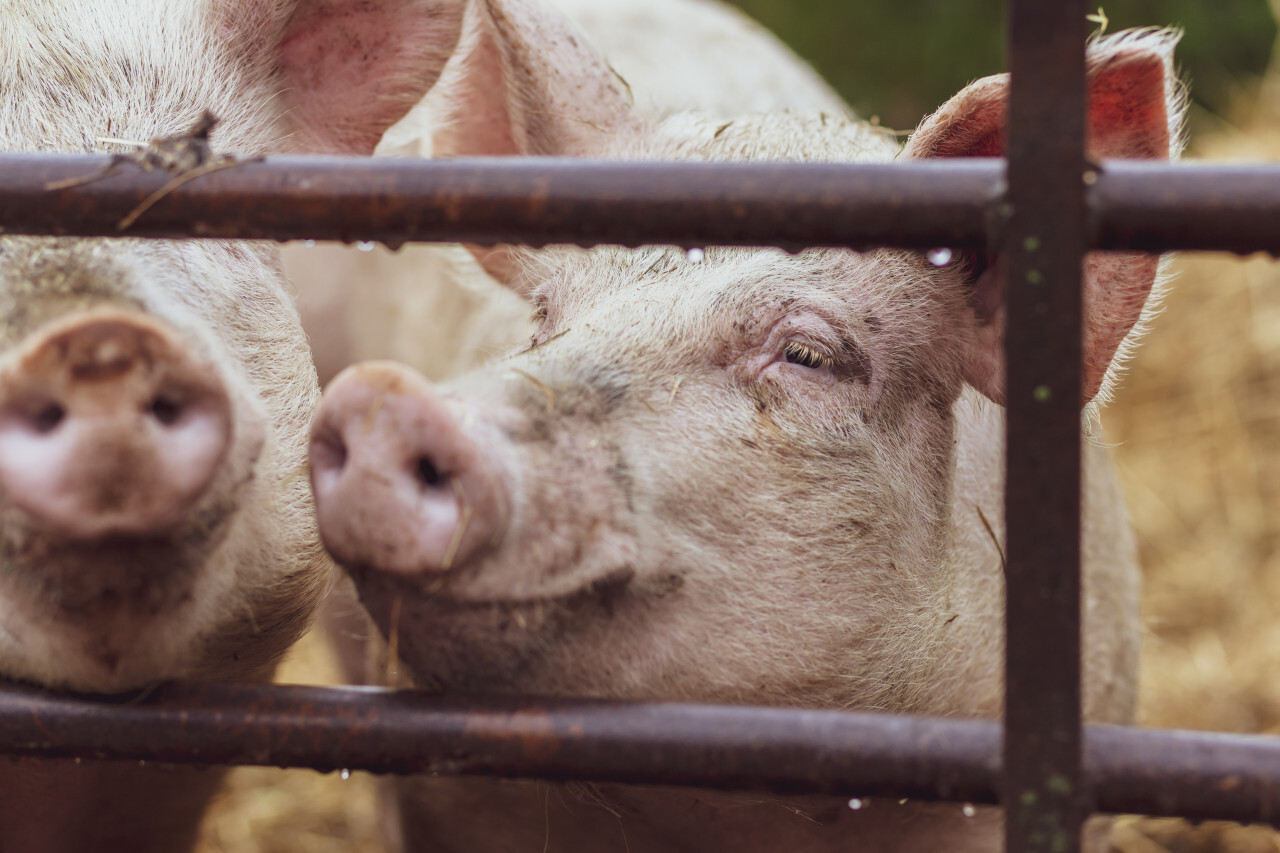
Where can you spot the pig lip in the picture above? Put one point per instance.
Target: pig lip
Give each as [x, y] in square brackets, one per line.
[606, 588]
[112, 577]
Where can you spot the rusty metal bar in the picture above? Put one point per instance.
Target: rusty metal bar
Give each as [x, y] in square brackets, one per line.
[1192, 774]
[1197, 775]
[921, 205]
[1157, 207]
[1044, 243]
[408, 732]
[524, 200]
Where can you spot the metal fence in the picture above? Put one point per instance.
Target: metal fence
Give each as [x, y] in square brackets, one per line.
[1043, 766]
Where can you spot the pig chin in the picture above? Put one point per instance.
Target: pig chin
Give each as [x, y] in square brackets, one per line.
[451, 643]
[106, 614]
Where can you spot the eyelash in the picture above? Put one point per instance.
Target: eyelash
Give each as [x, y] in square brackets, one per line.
[807, 356]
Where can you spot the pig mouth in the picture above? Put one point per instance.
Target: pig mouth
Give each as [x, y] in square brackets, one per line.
[498, 644]
[136, 577]
[112, 577]
[445, 592]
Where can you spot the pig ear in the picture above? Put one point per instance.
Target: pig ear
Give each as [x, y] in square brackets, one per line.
[525, 81]
[1135, 112]
[346, 69]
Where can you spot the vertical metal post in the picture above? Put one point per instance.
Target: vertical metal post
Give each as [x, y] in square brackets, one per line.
[1044, 248]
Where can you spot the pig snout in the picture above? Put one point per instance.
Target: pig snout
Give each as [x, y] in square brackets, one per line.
[109, 425]
[399, 484]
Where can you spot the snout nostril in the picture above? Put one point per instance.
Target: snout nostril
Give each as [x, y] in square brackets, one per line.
[328, 451]
[427, 473]
[164, 410]
[46, 420]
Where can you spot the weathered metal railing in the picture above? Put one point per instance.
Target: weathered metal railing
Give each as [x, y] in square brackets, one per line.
[1045, 768]
[1190, 774]
[957, 203]
[1044, 242]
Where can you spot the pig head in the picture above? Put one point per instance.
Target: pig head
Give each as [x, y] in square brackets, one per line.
[155, 519]
[738, 475]
[154, 395]
[744, 429]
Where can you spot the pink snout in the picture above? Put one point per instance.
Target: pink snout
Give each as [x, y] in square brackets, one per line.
[399, 484]
[109, 425]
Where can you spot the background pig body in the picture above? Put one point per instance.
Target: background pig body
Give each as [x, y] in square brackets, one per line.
[749, 478]
[155, 520]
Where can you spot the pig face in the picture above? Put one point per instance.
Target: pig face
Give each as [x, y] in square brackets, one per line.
[685, 454]
[150, 525]
[754, 477]
[154, 514]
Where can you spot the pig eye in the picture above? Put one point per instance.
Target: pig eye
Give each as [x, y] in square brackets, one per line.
[540, 313]
[807, 356]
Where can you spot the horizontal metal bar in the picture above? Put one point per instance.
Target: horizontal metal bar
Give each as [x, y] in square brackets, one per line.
[1198, 775]
[1212, 207]
[1152, 207]
[523, 200]
[409, 732]
[1189, 774]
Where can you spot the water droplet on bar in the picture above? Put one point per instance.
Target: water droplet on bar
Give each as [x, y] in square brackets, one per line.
[695, 255]
[939, 257]
[365, 245]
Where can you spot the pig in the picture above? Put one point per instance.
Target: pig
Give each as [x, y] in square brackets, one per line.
[155, 516]
[738, 477]
[673, 55]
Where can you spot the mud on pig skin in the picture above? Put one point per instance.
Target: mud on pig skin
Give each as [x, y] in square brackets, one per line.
[155, 519]
[754, 478]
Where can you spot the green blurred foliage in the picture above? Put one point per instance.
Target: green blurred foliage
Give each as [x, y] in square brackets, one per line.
[900, 59]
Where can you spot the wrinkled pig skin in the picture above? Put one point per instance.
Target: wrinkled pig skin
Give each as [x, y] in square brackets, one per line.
[155, 518]
[745, 477]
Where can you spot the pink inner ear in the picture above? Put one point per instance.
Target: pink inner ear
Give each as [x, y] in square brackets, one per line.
[1128, 117]
[352, 69]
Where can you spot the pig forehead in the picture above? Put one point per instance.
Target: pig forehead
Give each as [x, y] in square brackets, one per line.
[807, 137]
[668, 285]
[76, 72]
[41, 279]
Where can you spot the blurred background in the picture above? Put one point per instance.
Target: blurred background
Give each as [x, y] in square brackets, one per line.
[899, 60]
[1196, 425]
